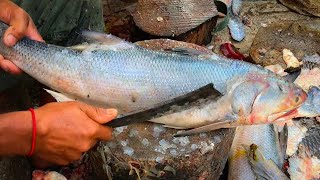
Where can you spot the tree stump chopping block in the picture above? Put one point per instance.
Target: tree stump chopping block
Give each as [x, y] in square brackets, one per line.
[189, 20]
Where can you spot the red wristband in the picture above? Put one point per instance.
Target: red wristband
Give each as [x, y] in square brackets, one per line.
[34, 132]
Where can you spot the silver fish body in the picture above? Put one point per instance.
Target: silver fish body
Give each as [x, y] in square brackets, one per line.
[129, 80]
[122, 75]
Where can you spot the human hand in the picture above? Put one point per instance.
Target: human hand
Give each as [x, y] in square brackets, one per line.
[66, 130]
[20, 25]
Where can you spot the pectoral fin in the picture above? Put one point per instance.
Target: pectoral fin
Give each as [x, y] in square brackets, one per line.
[175, 105]
[58, 96]
[186, 51]
[80, 47]
[291, 77]
[283, 139]
[210, 127]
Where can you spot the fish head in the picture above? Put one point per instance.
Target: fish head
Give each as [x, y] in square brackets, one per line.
[311, 108]
[264, 99]
[277, 99]
[314, 97]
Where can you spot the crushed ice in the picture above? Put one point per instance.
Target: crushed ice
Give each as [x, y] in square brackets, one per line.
[128, 150]
[119, 130]
[157, 130]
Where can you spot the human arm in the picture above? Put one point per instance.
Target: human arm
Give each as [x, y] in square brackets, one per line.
[21, 25]
[15, 133]
[64, 131]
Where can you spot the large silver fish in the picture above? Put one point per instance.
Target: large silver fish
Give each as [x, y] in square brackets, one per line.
[110, 72]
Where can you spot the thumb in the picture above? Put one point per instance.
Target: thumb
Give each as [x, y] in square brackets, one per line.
[100, 115]
[16, 31]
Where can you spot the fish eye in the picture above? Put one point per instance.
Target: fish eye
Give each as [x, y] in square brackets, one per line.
[297, 99]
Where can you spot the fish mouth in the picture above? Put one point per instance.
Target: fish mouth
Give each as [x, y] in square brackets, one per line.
[283, 116]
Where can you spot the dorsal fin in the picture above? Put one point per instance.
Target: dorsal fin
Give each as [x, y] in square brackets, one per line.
[106, 39]
[186, 51]
[97, 40]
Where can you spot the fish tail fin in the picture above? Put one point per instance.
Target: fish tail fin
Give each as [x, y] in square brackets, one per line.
[282, 136]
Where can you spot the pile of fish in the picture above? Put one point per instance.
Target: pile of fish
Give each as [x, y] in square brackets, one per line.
[303, 133]
[261, 151]
[171, 88]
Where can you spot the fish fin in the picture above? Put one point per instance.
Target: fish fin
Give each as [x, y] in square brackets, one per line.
[282, 136]
[185, 51]
[80, 47]
[173, 127]
[106, 41]
[58, 96]
[263, 168]
[168, 107]
[291, 77]
[209, 127]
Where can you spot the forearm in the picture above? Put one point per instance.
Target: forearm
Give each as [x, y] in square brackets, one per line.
[15, 133]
